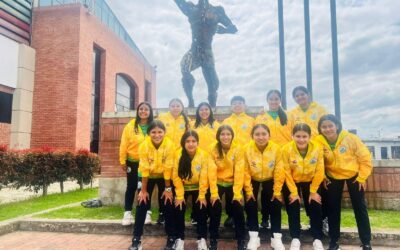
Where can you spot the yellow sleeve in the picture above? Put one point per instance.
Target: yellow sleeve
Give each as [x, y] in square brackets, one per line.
[144, 165]
[319, 173]
[123, 146]
[238, 175]
[288, 174]
[248, 188]
[212, 178]
[279, 174]
[169, 162]
[364, 160]
[203, 179]
[179, 189]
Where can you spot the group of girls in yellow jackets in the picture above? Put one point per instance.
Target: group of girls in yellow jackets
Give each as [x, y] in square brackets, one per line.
[283, 156]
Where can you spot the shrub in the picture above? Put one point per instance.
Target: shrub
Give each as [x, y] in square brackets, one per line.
[87, 165]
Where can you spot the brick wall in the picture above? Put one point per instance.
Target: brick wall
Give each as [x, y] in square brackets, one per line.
[64, 38]
[5, 131]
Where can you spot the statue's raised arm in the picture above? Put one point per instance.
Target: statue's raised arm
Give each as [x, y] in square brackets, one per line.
[185, 6]
[227, 26]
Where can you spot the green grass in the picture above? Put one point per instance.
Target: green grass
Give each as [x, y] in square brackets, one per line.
[380, 219]
[16, 209]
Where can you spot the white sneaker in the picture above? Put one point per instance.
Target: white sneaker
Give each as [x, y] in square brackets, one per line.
[317, 245]
[179, 244]
[148, 221]
[295, 245]
[276, 242]
[128, 218]
[254, 241]
[202, 244]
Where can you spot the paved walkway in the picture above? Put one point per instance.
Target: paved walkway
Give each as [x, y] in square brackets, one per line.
[66, 241]
[12, 195]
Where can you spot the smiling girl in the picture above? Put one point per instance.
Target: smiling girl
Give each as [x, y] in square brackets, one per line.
[205, 125]
[303, 162]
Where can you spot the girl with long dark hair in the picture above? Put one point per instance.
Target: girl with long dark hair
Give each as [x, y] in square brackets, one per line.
[229, 176]
[190, 178]
[133, 135]
[205, 125]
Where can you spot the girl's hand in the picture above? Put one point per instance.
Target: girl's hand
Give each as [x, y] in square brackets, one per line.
[293, 199]
[168, 197]
[277, 197]
[143, 196]
[315, 197]
[213, 200]
[202, 202]
[238, 201]
[326, 183]
[179, 203]
[250, 197]
[361, 186]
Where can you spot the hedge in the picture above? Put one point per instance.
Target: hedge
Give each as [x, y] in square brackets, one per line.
[36, 169]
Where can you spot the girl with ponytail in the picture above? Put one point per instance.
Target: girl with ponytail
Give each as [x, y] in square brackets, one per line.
[275, 118]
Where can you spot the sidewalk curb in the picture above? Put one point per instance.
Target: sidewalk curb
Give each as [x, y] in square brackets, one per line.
[387, 238]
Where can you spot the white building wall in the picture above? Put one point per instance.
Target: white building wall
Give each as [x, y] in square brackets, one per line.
[8, 62]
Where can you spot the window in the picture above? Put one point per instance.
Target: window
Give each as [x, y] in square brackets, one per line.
[125, 94]
[95, 114]
[372, 150]
[395, 152]
[384, 153]
[5, 107]
[147, 91]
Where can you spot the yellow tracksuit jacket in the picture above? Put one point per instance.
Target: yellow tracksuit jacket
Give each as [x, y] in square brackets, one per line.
[299, 169]
[263, 166]
[242, 125]
[130, 141]
[279, 134]
[311, 117]
[199, 180]
[206, 134]
[156, 163]
[230, 169]
[349, 157]
[175, 127]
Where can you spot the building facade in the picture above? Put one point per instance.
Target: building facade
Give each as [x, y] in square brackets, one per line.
[384, 149]
[85, 63]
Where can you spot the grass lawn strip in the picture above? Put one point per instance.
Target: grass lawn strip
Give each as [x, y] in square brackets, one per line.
[32, 206]
[380, 219]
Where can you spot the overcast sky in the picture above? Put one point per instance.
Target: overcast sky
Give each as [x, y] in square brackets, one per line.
[248, 62]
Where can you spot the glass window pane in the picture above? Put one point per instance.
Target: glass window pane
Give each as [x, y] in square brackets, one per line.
[45, 3]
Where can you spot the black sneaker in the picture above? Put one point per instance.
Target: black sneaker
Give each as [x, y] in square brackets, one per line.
[333, 246]
[213, 244]
[228, 222]
[136, 244]
[170, 244]
[366, 247]
[241, 245]
[161, 219]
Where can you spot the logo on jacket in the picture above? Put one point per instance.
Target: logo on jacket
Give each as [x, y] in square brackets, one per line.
[342, 149]
[182, 126]
[254, 164]
[271, 164]
[198, 168]
[244, 126]
[313, 117]
[313, 161]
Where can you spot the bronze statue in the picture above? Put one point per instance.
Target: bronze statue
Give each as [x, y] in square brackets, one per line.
[205, 21]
